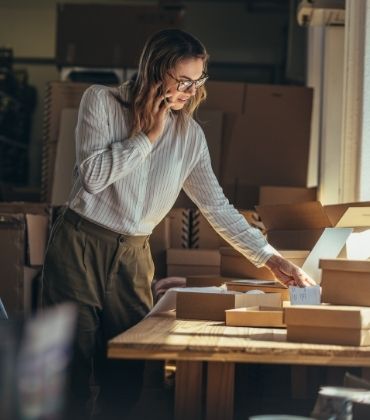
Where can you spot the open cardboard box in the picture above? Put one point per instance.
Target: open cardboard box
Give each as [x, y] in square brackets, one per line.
[212, 305]
[345, 282]
[255, 316]
[237, 285]
[329, 245]
[234, 264]
[328, 324]
[299, 226]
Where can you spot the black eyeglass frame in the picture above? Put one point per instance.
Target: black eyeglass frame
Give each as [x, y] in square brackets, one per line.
[202, 79]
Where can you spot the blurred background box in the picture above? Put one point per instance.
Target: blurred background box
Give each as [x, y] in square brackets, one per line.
[23, 235]
[113, 35]
[188, 262]
[286, 195]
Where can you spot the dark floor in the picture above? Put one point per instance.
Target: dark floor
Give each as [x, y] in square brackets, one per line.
[259, 389]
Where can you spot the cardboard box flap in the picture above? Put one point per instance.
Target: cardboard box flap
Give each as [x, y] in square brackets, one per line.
[310, 215]
[336, 211]
[355, 217]
[37, 231]
[328, 316]
[343, 264]
[210, 257]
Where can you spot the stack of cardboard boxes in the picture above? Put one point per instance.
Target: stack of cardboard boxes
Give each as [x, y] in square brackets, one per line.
[343, 318]
[23, 235]
[345, 281]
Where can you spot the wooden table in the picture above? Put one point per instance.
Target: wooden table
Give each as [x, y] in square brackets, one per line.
[194, 344]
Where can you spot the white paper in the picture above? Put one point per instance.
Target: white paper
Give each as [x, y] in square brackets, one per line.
[329, 245]
[358, 245]
[310, 295]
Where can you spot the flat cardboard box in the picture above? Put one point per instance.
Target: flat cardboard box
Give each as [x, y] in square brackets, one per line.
[59, 95]
[300, 225]
[285, 195]
[234, 264]
[322, 335]
[212, 306]
[257, 151]
[345, 282]
[255, 316]
[187, 262]
[205, 281]
[328, 316]
[65, 157]
[238, 286]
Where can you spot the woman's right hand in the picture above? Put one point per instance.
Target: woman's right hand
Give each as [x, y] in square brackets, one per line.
[160, 106]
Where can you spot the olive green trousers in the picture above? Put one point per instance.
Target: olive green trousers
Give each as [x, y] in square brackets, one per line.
[108, 276]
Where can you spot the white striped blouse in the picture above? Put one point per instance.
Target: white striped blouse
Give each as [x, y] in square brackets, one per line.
[128, 185]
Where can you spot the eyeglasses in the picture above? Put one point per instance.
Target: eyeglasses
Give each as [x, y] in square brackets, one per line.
[184, 85]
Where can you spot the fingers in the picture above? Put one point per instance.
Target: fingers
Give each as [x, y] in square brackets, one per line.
[162, 104]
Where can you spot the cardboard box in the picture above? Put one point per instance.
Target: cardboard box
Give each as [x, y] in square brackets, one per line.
[274, 126]
[212, 306]
[326, 324]
[205, 281]
[299, 226]
[255, 316]
[23, 238]
[115, 46]
[59, 96]
[328, 316]
[234, 264]
[285, 195]
[187, 262]
[242, 286]
[345, 282]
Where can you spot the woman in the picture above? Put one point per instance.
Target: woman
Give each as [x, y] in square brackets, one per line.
[137, 147]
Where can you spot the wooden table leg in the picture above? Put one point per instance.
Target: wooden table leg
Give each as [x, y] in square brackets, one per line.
[220, 391]
[188, 390]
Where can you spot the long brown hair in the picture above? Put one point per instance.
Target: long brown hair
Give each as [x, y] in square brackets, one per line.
[161, 53]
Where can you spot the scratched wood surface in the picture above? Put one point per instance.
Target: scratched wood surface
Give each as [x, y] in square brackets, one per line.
[165, 337]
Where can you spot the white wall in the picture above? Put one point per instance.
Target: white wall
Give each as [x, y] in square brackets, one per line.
[331, 115]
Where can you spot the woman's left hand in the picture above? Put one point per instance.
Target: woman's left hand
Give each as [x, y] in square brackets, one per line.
[288, 273]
